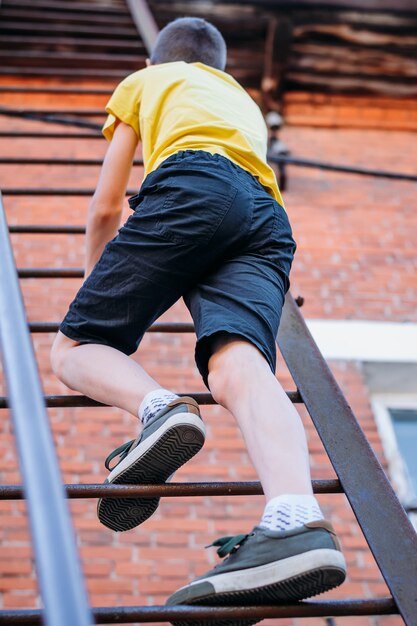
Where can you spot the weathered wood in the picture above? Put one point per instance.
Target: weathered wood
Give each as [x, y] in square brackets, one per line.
[94, 45]
[73, 6]
[348, 85]
[65, 72]
[347, 33]
[90, 31]
[364, 5]
[67, 18]
[68, 59]
[353, 61]
[335, 46]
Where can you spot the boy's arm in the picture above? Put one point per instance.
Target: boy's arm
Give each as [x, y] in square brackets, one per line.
[106, 206]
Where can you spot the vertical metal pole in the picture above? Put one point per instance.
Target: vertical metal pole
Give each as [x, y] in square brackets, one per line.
[61, 580]
[144, 21]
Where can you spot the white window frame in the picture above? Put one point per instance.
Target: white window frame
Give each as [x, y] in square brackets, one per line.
[381, 404]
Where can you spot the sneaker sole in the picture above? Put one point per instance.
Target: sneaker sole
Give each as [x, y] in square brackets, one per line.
[287, 580]
[151, 462]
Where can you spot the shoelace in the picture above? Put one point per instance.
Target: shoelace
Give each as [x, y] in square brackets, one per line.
[228, 544]
[121, 451]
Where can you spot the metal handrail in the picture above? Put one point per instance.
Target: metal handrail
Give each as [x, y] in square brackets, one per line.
[61, 580]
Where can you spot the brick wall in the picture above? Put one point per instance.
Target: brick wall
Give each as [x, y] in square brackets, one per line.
[355, 260]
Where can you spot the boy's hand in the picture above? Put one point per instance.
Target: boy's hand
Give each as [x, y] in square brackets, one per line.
[105, 209]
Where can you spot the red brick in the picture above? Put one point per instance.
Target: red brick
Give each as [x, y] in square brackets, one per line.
[362, 269]
[15, 567]
[13, 583]
[133, 569]
[19, 601]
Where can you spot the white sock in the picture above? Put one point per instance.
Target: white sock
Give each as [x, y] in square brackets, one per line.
[153, 402]
[290, 511]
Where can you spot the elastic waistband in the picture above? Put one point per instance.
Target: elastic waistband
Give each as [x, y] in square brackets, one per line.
[197, 155]
[203, 159]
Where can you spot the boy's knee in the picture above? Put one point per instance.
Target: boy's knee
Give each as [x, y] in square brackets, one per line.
[232, 367]
[218, 384]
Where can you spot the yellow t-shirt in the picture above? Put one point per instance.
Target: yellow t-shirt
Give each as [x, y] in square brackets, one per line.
[191, 106]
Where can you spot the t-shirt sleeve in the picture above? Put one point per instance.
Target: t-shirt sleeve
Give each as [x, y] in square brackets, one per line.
[124, 105]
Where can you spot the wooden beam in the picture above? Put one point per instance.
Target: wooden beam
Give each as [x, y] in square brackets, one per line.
[364, 5]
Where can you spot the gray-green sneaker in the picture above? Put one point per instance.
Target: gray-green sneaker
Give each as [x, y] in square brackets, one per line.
[167, 441]
[268, 567]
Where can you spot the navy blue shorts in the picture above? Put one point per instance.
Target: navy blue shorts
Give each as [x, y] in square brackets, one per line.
[203, 229]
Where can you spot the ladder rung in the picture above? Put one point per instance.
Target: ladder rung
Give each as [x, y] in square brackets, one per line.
[49, 135]
[56, 112]
[56, 161]
[51, 272]
[169, 490]
[46, 229]
[80, 91]
[159, 327]
[123, 615]
[43, 191]
[83, 401]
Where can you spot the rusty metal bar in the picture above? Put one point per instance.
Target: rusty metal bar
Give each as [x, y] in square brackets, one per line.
[57, 161]
[158, 327]
[75, 401]
[48, 135]
[60, 576]
[55, 117]
[123, 615]
[167, 490]
[144, 22]
[42, 229]
[343, 169]
[25, 191]
[51, 112]
[66, 272]
[79, 91]
[390, 535]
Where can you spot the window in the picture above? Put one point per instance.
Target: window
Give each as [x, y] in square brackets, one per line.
[396, 418]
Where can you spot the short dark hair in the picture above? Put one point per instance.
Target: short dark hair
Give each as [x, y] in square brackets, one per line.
[190, 39]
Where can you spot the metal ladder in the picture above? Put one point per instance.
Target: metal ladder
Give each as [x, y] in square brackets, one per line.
[383, 521]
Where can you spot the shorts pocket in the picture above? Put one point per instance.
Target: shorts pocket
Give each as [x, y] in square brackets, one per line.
[193, 208]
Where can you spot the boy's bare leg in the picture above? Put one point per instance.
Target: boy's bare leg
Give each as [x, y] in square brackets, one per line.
[102, 373]
[240, 380]
[284, 558]
[173, 430]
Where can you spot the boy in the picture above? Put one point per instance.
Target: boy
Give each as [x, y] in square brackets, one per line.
[208, 225]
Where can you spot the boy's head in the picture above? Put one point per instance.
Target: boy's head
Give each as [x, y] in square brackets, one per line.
[190, 39]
